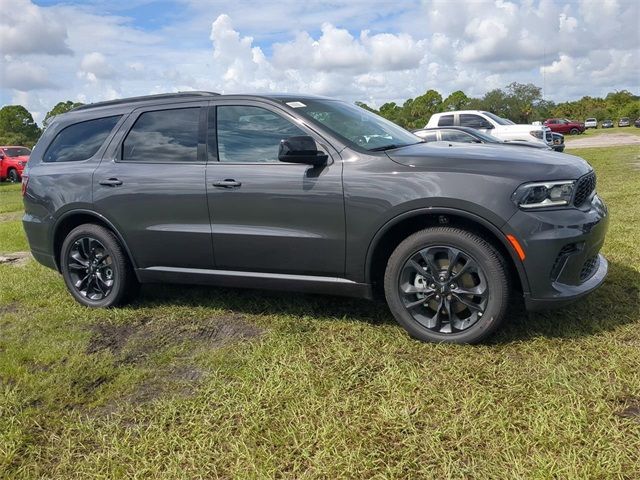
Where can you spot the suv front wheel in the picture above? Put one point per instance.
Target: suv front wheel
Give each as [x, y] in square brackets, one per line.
[445, 284]
[95, 268]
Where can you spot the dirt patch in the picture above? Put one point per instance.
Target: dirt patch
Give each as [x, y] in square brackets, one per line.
[10, 217]
[9, 308]
[16, 259]
[134, 343]
[631, 409]
[605, 140]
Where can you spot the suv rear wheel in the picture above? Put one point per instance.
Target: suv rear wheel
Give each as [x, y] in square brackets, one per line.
[95, 268]
[447, 285]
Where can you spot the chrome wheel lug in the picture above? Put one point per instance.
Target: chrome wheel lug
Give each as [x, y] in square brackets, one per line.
[452, 286]
[437, 297]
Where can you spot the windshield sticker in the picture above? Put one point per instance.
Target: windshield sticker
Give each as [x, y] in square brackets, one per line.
[296, 104]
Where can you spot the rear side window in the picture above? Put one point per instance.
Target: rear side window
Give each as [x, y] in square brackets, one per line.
[163, 136]
[80, 141]
[473, 121]
[445, 121]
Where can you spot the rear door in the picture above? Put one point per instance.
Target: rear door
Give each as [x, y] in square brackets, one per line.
[266, 215]
[151, 186]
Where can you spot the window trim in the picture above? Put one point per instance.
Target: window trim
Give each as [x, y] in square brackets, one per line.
[201, 134]
[101, 149]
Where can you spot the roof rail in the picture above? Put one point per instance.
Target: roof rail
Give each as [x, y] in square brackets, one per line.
[144, 98]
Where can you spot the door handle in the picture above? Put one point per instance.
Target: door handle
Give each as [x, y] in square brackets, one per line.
[111, 182]
[227, 183]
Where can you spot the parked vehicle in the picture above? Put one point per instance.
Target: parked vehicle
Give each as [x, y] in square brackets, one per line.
[624, 122]
[312, 194]
[487, 122]
[558, 142]
[591, 123]
[562, 125]
[469, 135]
[12, 162]
[637, 122]
[607, 124]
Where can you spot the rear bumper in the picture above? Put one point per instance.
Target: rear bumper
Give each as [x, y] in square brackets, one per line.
[563, 261]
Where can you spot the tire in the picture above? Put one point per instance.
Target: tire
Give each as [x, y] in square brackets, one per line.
[574, 131]
[13, 176]
[477, 267]
[93, 253]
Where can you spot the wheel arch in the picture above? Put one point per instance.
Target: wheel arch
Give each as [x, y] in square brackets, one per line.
[74, 218]
[403, 225]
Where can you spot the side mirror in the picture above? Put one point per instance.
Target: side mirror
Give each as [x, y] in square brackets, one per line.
[301, 149]
[488, 126]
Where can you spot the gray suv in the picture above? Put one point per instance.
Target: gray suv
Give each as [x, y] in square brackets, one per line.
[309, 194]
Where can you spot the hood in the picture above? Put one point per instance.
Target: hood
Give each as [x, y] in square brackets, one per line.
[525, 164]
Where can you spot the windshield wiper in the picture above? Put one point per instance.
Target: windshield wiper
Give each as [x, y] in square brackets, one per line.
[390, 147]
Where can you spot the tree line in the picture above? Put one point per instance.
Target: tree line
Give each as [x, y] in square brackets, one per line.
[522, 103]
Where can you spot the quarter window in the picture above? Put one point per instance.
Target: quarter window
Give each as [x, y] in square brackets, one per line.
[163, 136]
[80, 141]
[251, 134]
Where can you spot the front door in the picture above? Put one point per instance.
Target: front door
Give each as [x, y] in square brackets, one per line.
[266, 215]
[151, 186]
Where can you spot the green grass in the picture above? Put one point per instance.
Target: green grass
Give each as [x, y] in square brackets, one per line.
[10, 199]
[217, 383]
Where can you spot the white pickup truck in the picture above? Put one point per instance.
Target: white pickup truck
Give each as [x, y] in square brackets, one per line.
[492, 124]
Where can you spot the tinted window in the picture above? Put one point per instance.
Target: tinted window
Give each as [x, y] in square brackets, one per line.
[428, 136]
[80, 141]
[445, 121]
[251, 134]
[457, 136]
[473, 121]
[163, 136]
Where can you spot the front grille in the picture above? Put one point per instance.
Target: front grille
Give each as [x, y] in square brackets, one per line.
[561, 259]
[589, 268]
[584, 188]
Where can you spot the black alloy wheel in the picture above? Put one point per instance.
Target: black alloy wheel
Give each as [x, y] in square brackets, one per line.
[445, 284]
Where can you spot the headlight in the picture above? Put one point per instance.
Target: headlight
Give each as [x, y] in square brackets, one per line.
[544, 194]
[536, 133]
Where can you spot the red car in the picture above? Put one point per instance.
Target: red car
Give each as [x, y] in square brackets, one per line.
[562, 125]
[12, 162]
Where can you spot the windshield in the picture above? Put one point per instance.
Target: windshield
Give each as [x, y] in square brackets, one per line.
[17, 152]
[355, 125]
[498, 120]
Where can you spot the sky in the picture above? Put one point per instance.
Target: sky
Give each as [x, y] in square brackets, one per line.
[368, 50]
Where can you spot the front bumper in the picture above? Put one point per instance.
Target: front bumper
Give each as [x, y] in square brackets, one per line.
[562, 248]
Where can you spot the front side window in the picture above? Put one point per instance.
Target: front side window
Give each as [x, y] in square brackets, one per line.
[80, 141]
[163, 136]
[473, 121]
[457, 136]
[445, 121]
[248, 134]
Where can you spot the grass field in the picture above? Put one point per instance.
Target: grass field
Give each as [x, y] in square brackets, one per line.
[218, 383]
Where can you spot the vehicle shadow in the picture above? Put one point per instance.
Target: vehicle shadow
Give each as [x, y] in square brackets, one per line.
[616, 303]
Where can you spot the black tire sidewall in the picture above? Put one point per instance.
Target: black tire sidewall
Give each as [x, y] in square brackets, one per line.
[13, 176]
[487, 258]
[119, 265]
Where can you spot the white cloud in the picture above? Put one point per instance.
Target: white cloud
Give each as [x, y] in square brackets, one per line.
[94, 67]
[24, 76]
[28, 29]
